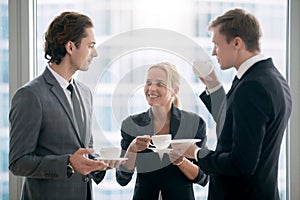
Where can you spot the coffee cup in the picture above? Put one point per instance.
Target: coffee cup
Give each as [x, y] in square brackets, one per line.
[110, 152]
[202, 68]
[161, 141]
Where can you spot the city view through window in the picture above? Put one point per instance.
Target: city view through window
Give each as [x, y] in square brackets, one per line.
[117, 81]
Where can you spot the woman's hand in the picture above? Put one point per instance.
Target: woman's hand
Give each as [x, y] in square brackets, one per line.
[176, 158]
[114, 163]
[140, 143]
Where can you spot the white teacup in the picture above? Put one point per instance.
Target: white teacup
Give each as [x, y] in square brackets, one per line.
[161, 141]
[202, 68]
[110, 152]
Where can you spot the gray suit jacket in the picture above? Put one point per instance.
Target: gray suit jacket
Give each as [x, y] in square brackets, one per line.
[42, 136]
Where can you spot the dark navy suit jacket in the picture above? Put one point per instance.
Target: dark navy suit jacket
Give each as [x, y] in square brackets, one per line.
[250, 124]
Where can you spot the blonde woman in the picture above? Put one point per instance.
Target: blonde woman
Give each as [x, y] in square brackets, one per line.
[172, 175]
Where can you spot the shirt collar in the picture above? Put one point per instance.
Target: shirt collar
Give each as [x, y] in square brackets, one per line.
[174, 112]
[62, 82]
[248, 64]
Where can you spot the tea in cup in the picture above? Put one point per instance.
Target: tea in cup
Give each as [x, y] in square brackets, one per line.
[161, 141]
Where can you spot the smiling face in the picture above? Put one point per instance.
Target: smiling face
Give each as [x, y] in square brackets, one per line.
[82, 56]
[157, 88]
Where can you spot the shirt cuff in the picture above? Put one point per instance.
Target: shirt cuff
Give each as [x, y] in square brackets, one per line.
[212, 90]
[196, 154]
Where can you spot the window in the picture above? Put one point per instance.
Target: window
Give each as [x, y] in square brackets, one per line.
[115, 17]
[4, 105]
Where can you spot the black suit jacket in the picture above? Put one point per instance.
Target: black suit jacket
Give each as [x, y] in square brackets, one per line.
[155, 174]
[251, 122]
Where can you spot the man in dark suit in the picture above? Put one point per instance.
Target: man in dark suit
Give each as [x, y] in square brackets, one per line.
[251, 118]
[50, 139]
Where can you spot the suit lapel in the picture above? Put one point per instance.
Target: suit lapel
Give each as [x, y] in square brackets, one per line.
[175, 121]
[265, 63]
[83, 102]
[61, 97]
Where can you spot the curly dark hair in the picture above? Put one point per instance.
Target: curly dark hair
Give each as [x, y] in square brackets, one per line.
[68, 26]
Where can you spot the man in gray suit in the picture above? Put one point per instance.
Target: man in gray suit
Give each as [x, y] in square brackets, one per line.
[49, 146]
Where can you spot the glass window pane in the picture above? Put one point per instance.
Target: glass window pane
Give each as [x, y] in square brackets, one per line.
[4, 99]
[189, 18]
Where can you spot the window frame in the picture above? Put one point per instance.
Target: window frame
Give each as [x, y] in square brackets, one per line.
[21, 60]
[293, 60]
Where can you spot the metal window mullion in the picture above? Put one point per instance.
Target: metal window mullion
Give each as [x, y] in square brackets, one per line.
[21, 57]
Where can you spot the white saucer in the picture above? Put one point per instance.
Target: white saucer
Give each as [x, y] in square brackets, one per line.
[156, 150]
[107, 159]
[177, 141]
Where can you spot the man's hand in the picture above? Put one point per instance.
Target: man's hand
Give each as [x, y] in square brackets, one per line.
[184, 149]
[83, 165]
[176, 158]
[207, 73]
[202, 68]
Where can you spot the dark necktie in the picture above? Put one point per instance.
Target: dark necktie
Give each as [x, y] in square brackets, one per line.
[235, 81]
[76, 110]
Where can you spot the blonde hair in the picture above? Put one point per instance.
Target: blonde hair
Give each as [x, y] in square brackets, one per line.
[173, 77]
